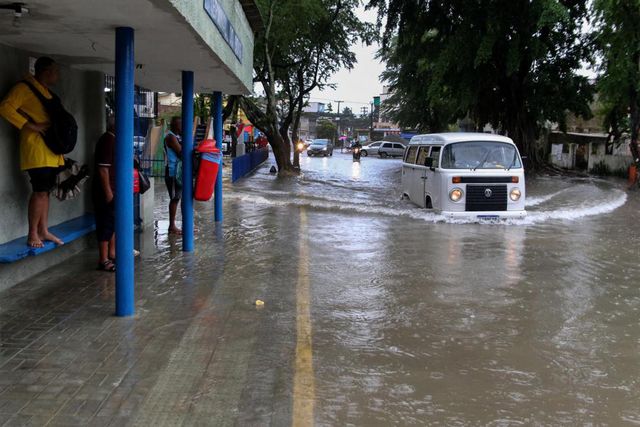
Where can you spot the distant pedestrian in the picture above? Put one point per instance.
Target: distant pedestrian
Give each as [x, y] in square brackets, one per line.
[22, 108]
[173, 151]
[103, 198]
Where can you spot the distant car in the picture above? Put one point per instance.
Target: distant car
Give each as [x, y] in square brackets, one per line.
[370, 149]
[320, 147]
[391, 149]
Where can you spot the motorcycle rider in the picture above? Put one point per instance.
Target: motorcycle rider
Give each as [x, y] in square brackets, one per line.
[356, 149]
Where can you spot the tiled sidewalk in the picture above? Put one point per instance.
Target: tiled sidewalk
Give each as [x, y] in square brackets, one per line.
[197, 350]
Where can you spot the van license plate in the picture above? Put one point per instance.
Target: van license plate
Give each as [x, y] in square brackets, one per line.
[489, 217]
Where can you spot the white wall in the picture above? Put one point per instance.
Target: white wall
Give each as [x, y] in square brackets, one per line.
[619, 159]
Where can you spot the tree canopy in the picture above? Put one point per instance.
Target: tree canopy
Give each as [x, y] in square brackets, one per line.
[617, 36]
[304, 43]
[508, 63]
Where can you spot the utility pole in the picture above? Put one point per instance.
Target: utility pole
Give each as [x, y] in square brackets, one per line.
[339, 135]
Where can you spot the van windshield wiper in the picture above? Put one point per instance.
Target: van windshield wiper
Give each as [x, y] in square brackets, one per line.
[484, 159]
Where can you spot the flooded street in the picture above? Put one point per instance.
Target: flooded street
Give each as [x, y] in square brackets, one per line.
[417, 321]
[376, 313]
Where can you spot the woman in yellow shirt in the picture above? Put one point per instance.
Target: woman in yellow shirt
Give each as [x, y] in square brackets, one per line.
[23, 109]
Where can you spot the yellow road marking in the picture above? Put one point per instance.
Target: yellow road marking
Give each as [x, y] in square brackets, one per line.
[304, 379]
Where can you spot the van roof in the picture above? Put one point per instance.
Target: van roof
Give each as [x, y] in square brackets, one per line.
[450, 137]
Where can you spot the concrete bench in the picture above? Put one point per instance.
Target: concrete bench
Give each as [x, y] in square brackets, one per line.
[68, 231]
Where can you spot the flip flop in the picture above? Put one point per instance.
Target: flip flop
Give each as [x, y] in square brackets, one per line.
[107, 265]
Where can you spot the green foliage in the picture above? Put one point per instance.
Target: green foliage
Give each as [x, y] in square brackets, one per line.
[304, 43]
[617, 36]
[508, 63]
[347, 112]
[326, 129]
[202, 107]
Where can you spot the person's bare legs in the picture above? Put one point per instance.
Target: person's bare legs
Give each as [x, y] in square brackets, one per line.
[173, 210]
[103, 251]
[112, 247]
[38, 203]
[43, 223]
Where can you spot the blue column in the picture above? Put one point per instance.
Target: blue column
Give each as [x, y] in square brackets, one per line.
[187, 161]
[124, 171]
[216, 113]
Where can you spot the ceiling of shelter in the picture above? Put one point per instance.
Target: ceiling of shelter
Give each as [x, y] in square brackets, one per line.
[81, 33]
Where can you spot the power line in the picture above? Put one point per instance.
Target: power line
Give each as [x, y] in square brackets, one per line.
[342, 101]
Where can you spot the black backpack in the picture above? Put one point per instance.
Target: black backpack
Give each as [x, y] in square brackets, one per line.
[62, 134]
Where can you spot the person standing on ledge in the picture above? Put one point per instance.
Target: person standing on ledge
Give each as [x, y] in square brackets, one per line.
[22, 108]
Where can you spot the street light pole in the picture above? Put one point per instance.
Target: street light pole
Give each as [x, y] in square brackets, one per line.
[339, 135]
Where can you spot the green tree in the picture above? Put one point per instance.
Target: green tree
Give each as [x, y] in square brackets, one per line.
[617, 37]
[347, 112]
[508, 63]
[326, 130]
[291, 60]
[329, 108]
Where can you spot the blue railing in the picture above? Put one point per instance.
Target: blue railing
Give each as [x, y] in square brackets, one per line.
[243, 165]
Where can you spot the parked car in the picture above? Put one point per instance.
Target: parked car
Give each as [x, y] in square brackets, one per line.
[370, 148]
[320, 147]
[393, 149]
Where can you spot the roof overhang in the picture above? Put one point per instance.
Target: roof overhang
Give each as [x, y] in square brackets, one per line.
[170, 36]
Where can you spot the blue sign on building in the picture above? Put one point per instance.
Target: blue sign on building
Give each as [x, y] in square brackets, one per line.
[221, 20]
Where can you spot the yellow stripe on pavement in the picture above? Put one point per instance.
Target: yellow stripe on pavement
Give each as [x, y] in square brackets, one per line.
[304, 379]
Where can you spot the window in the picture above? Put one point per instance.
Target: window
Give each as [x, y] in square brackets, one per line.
[411, 154]
[479, 155]
[435, 155]
[387, 145]
[422, 155]
[398, 146]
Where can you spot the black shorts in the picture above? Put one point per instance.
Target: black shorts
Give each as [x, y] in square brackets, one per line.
[105, 220]
[43, 179]
[175, 189]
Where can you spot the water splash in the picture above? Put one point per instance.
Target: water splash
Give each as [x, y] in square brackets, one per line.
[405, 209]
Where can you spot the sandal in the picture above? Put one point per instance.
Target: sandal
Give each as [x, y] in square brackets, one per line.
[107, 265]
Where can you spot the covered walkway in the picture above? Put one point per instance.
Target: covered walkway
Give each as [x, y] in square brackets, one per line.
[162, 45]
[197, 350]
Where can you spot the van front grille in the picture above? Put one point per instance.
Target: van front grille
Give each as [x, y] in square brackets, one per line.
[486, 198]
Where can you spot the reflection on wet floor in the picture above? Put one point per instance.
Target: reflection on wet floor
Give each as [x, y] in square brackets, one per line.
[376, 313]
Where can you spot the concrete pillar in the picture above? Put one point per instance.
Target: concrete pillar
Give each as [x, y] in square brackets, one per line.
[216, 113]
[125, 304]
[187, 161]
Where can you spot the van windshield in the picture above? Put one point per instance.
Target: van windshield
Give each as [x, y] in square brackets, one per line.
[480, 155]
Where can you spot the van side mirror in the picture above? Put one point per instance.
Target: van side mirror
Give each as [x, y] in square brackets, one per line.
[428, 162]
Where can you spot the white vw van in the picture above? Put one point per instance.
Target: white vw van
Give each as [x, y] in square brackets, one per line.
[465, 175]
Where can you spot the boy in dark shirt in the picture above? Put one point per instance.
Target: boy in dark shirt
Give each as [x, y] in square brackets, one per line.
[103, 194]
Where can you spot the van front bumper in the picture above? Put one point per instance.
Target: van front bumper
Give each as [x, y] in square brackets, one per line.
[485, 215]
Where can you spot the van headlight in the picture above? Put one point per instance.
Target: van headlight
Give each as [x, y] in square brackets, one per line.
[456, 194]
[515, 194]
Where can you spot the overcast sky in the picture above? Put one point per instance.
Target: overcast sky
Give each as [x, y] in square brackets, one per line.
[358, 86]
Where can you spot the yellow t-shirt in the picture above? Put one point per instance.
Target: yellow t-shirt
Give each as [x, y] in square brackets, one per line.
[20, 106]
